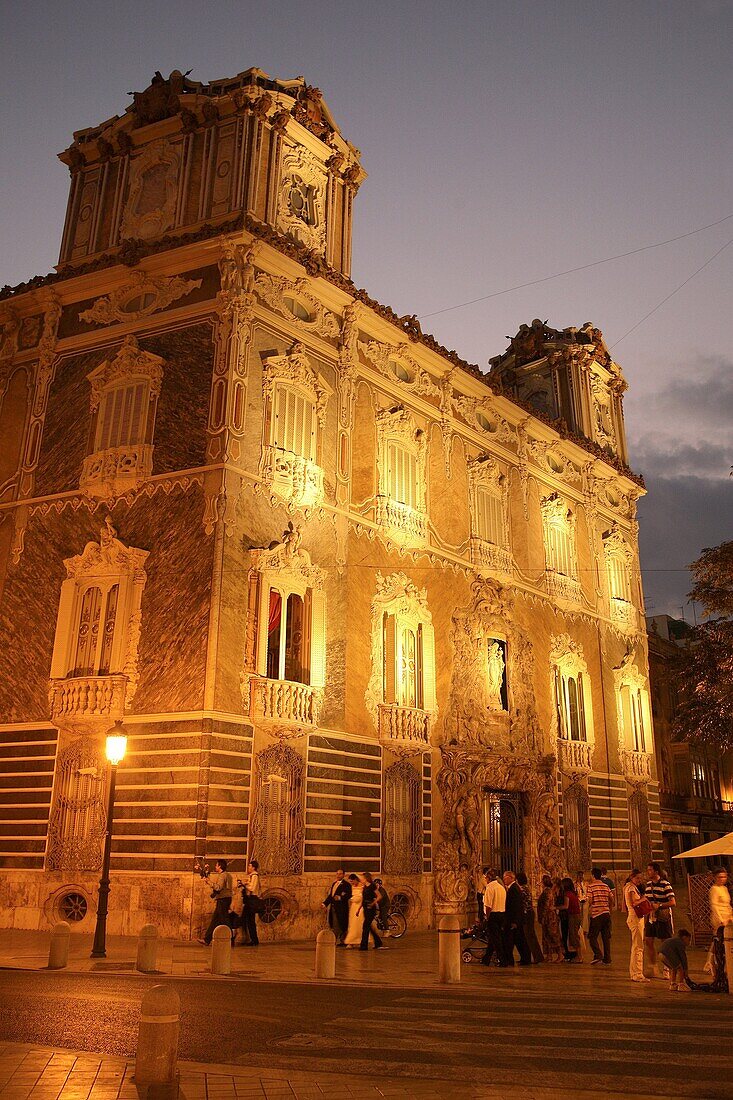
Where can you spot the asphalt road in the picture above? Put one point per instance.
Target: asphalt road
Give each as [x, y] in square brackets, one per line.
[541, 1034]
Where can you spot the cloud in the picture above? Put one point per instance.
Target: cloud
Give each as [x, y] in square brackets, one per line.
[677, 519]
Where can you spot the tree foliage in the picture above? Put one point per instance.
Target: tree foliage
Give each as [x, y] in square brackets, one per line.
[706, 666]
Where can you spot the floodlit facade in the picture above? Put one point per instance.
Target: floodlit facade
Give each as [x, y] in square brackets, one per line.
[356, 602]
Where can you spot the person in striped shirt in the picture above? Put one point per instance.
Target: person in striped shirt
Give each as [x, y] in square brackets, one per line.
[659, 922]
[600, 903]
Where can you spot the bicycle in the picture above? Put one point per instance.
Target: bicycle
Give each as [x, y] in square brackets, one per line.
[395, 926]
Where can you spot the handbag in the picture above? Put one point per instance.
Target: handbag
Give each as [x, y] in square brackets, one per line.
[643, 907]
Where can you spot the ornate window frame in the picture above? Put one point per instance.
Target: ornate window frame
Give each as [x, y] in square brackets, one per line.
[571, 689]
[399, 437]
[301, 208]
[633, 712]
[110, 471]
[485, 477]
[287, 569]
[78, 818]
[576, 825]
[278, 831]
[399, 599]
[94, 697]
[619, 559]
[403, 824]
[561, 552]
[295, 477]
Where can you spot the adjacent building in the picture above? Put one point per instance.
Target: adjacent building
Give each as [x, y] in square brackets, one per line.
[356, 602]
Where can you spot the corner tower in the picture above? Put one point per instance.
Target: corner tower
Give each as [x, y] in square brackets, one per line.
[187, 159]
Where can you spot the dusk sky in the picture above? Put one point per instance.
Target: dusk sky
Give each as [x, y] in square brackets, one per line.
[505, 142]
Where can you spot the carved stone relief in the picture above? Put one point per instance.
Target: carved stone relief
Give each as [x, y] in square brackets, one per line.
[78, 819]
[273, 289]
[143, 295]
[151, 202]
[302, 198]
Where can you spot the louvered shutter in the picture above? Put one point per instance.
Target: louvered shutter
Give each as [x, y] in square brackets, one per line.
[390, 658]
[429, 691]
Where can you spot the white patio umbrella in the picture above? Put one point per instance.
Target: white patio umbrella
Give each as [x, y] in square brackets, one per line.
[723, 846]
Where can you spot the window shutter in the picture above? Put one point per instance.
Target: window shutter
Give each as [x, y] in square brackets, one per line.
[429, 693]
[318, 638]
[560, 706]
[108, 630]
[65, 640]
[390, 657]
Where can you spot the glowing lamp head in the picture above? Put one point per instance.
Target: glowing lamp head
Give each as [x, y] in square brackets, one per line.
[116, 745]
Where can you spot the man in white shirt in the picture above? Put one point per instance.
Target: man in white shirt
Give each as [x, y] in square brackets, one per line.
[494, 907]
[721, 910]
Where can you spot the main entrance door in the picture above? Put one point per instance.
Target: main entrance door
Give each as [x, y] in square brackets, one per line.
[501, 830]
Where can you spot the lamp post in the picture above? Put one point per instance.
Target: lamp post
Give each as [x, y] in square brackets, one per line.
[115, 751]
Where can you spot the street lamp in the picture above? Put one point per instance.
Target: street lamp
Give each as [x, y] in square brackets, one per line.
[115, 750]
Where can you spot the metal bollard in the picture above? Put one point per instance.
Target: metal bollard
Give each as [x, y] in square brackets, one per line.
[449, 950]
[147, 949]
[728, 942]
[156, 1057]
[326, 954]
[58, 954]
[221, 950]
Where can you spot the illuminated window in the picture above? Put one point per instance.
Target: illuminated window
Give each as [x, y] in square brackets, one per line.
[295, 408]
[632, 703]
[573, 709]
[618, 559]
[559, 531]
[489, 516]
[401, 507]
[632, 708]
[402, 819]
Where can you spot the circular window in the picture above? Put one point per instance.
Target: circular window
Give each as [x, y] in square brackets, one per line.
[296, 308]
[555, 464]
[73, 907]
[400, 904]
[485, 423]
[400, 371]
[271, 908]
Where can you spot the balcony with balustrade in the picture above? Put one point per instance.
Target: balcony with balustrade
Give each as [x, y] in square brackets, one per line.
[87, 698]
[404, 525]
[562, 587]
[116, 471]
[636, 766]
[574, 757]
[293, 477]
[283, 701]
[487, 557]
[623, 614]
[403, 725]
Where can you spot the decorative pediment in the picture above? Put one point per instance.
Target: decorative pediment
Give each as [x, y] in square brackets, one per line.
[480, 414]
[567, 654]
[288, 556]
[555, 511]
[312, 315]
[140, 297]
[295, 368]
[485, 472]
[108, 557]
[627, 673]
[130, 362]
[395, 362]
[151, 202]
[615, 545]
[399, 591]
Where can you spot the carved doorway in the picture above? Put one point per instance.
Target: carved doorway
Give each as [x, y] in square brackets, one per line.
[501, 830]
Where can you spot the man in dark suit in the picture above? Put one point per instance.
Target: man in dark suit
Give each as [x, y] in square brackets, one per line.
[337, 902]
[514, 924]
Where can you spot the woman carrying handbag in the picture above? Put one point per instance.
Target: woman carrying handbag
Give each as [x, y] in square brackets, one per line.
[637, 908]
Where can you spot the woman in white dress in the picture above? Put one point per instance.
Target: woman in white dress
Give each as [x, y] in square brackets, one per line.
[356, 918]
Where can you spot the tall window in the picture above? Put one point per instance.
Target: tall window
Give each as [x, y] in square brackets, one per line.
[640, 833]
[288, 636]
[402, 819]
[277, 823]
[576, 827]
[96, 630]
[122, 415]
[618, 558]
[402, 475]
[401, 507]
[295, 410]
[490, 516]
[632, 707]
[570, 702]
[404, 662]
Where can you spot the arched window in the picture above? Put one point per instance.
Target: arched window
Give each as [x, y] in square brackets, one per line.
[573, 705]
[576, 827]
[124, 398]
[634, 717]
[295, 411]
[402, 819]
[618, 558]
[401, 507]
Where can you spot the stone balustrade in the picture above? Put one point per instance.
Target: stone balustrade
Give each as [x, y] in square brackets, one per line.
[285, 701]
[563, 587]
[87, 697]
[636, 766]
[405, 724]
[574, 757]
[406, 525]
[293, 477]
[489, 557]
[117, 470]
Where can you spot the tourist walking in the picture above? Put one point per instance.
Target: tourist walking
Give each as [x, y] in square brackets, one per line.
[674, 953]
[369, 912]
[336, 902]
[637, 908]
[600, 903]
[549, 921]
[514, 923]
[659, 926]
[494, 910]
[221, 890]
[530, 932]
[721, 912]
[251, 898]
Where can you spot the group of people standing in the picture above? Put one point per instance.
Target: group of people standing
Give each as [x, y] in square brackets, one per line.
[355, 904]
[227, 909]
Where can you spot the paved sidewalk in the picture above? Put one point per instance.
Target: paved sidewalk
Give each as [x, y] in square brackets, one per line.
[41, 1073]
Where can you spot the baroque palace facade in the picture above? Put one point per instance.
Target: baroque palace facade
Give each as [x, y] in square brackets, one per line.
[356, 602]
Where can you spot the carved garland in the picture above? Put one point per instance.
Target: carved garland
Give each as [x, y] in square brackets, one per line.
[142, 296]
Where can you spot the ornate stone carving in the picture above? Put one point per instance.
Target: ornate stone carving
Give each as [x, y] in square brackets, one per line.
[151, 201]
[277, 824]
[301, 203]
[405, 524]
[402, 819]
[78, 820]
[602, 413]
[273, 289]
[397, 363]
[143, 295]
[481, 415]
[489, 555]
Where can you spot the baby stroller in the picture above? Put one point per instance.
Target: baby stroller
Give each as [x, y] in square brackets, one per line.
[475, 942]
